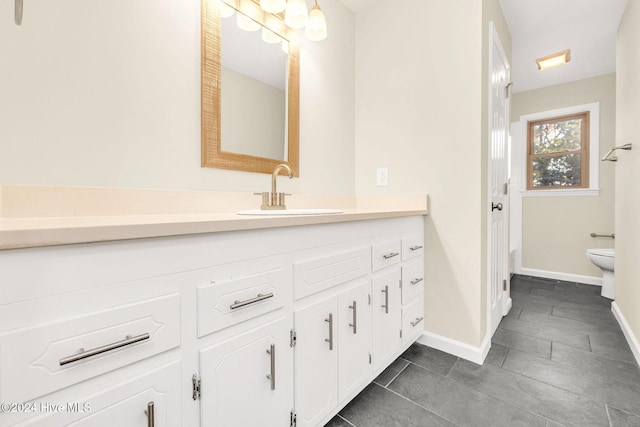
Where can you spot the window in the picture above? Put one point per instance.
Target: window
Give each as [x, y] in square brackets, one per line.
[558, 152]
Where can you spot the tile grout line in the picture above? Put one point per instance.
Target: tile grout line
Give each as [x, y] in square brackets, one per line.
[417, 404]
[606, 409]
[398, 374]
[346, 420]
[480, 392]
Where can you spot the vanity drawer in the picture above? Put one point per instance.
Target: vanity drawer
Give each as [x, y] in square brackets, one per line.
[385, 254]
[125, 402]
[323, 268]
[232, 301]
[412, 247]
[412, 280]
[37, 360]
[412, 321]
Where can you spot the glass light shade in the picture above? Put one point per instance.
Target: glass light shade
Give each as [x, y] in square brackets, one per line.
[296, 14]
[270, 37]
[226, 10]
[553, 60]
[316, 29]
[273, 6]
[246, 23]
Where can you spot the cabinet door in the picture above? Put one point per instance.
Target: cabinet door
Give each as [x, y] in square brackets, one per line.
[316, 361]
[354, 339]
[128, 403]
[387, 341]
[247, 380]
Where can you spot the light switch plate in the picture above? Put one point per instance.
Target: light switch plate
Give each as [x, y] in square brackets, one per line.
[382, 176]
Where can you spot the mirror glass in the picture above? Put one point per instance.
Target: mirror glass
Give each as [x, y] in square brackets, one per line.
[250, 88]
[254, 78]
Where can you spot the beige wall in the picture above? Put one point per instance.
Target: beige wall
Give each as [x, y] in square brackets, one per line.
[107, 93]
[419, 101]
[627, 286]
[556, 230]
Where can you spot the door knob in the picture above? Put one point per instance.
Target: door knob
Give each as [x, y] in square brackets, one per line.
[495, 206]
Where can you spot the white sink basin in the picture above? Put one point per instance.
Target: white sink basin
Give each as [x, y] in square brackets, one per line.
[290, 212]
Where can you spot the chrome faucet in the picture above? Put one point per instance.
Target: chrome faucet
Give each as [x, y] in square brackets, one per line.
[275, 200]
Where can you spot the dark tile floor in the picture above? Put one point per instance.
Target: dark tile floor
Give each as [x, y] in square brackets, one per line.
[558, 359]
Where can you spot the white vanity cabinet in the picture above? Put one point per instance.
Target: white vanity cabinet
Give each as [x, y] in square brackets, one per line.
[262, 327]
[316, 361]
[248, 379]
[387, 339]
[354, 338]
[149, 400]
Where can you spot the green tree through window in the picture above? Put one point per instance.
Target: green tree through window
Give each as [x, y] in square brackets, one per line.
[558, 152]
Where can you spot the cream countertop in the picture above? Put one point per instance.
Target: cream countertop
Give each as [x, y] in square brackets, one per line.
[48, 216]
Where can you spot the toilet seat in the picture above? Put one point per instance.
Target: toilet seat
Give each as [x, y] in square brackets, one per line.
[609, 253]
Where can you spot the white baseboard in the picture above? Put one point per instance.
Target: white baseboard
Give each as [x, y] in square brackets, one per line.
[626, 329]
[457, 348]
[567, 277]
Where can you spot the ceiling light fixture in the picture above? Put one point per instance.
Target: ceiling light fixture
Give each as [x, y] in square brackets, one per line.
[553, 60]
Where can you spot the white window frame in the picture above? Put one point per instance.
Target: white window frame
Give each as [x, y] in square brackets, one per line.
[594, 151]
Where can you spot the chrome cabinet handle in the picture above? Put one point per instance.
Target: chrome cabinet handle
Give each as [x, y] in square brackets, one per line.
[272, 376]
[260, 297]
[416, 281]
[390, 255]
[151, 416]
[418, 320]
[385, 291]
[496, 206]
[415, 248]
[103, 349]
[330, 339]
[355, 317]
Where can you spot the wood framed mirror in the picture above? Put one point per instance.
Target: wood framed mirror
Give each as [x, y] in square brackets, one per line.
[234, 124]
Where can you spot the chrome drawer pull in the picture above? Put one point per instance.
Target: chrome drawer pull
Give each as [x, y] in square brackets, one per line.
[418, 320]
[415, 248]
[272, 376]
[355, 317]
[260, 297]
[151, 416]
[416, 281]
[390, 255]
[330, 339]
[386, 299]
[105, 348]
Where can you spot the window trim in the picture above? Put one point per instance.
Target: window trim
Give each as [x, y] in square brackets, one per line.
[594, 150]
[584, 150]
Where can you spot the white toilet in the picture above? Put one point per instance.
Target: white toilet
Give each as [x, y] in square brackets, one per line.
[605, 259]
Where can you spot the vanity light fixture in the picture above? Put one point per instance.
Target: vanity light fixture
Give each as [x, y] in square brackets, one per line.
[269, 36]
[316, 28]
[273, 6]
[553, 60]
[296, 14]
[246, 23]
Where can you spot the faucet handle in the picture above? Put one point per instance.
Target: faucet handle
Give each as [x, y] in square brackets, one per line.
[265, 199]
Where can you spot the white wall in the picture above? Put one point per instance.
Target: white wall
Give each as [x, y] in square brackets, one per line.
[627, 286]
[418, 112]
[107, 93]
[556, 230]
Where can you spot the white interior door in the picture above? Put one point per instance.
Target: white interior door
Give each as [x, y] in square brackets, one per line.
[498, 232]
